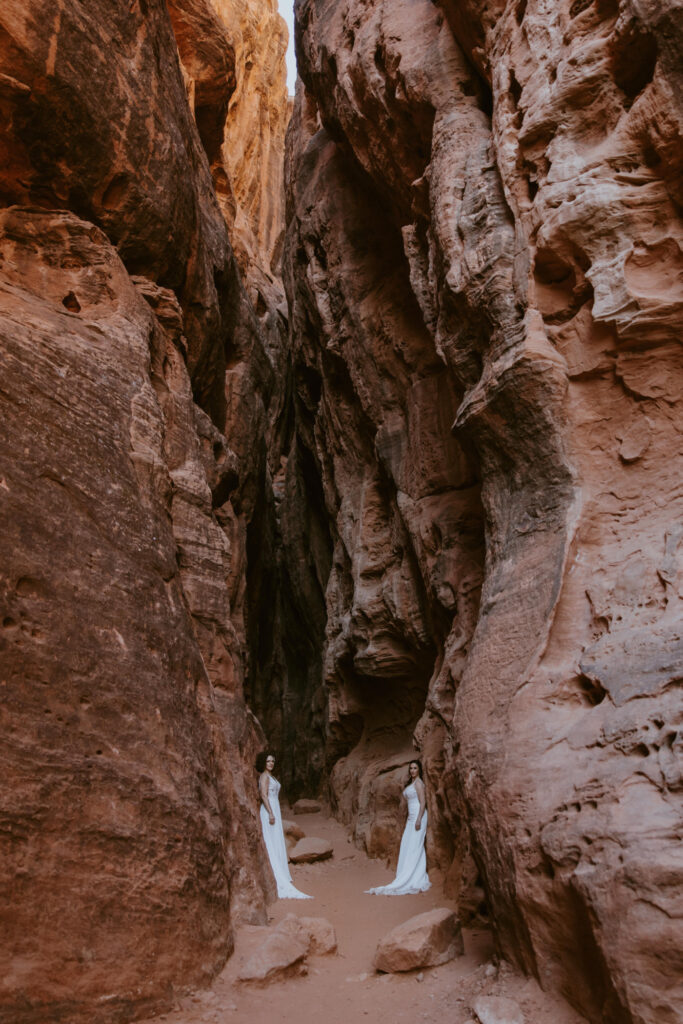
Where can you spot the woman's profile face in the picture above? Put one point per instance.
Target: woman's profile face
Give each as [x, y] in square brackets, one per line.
[270, 763]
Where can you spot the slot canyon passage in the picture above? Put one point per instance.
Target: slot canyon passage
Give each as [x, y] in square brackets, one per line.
[350, 424]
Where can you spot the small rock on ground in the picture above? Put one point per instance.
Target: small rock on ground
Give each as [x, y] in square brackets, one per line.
[497, 1010]
[426, 940]
[305, 807]
[310, 849]
[317, 932]
[280, 955]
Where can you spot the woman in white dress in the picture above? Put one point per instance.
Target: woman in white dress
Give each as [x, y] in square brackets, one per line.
[411, 871]
[273, 835]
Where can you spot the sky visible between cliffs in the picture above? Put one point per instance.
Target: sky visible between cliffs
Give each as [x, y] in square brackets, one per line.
[287, 11]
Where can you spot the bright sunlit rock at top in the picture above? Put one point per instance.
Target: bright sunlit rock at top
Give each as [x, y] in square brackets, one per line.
[286, 8]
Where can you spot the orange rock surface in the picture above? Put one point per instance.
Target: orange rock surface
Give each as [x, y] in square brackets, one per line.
[232, 57]
[253, 149]
[128, 478]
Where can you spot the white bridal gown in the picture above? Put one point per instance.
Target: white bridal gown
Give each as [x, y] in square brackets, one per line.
[274, 838]
[411, 872]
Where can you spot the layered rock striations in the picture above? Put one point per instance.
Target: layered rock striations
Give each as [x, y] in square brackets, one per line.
[137, 401]
[484, 270]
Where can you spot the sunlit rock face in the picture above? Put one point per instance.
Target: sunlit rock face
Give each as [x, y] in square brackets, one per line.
[232, 58]
[483, 263]
[253, 147]
[136, 406]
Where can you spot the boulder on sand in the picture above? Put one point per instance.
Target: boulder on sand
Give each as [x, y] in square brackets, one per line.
[306, 807]
[427, 940]
[281, 954]
[292, 830]
[497, 1010]
[309, 849]
[317, 932]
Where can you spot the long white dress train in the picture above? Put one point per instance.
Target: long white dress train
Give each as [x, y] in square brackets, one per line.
[274, 838]
[411, 871]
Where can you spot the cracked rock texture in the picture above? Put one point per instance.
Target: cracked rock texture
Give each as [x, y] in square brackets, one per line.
[137, 399]
[484, 268]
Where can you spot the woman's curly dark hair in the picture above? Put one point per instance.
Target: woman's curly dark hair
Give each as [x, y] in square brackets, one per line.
[262, 758]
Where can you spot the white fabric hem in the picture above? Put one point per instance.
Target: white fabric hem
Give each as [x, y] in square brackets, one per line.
[386, 890]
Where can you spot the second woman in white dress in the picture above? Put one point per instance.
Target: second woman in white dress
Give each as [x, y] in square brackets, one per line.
[273, 835]
[411, 871]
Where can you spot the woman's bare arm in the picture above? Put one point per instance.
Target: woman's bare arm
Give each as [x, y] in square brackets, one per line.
[422, 797]
[263, 790]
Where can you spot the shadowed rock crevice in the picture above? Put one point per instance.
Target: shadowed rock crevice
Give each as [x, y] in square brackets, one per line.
[289, 562]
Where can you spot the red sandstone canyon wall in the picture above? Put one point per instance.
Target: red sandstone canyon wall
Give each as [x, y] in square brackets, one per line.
[443, 514]
[484, 270]
[136, 380]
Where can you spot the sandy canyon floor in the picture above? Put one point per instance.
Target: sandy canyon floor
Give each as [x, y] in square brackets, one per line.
[344, 988]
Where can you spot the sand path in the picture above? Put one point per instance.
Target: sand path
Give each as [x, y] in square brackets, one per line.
[343, 988]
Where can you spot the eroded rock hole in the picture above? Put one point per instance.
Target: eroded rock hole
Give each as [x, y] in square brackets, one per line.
[592, 690]
[115, 192]
[561, 286]
[578, 7]
[634, 60]
[71, 303]
[485, 98]
[651, 157]
[261, 307]
[308, 386]
[515, 88]
[210, 120]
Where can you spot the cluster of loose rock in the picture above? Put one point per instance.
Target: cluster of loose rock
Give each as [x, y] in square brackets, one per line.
[305, 849]
[427, 940]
